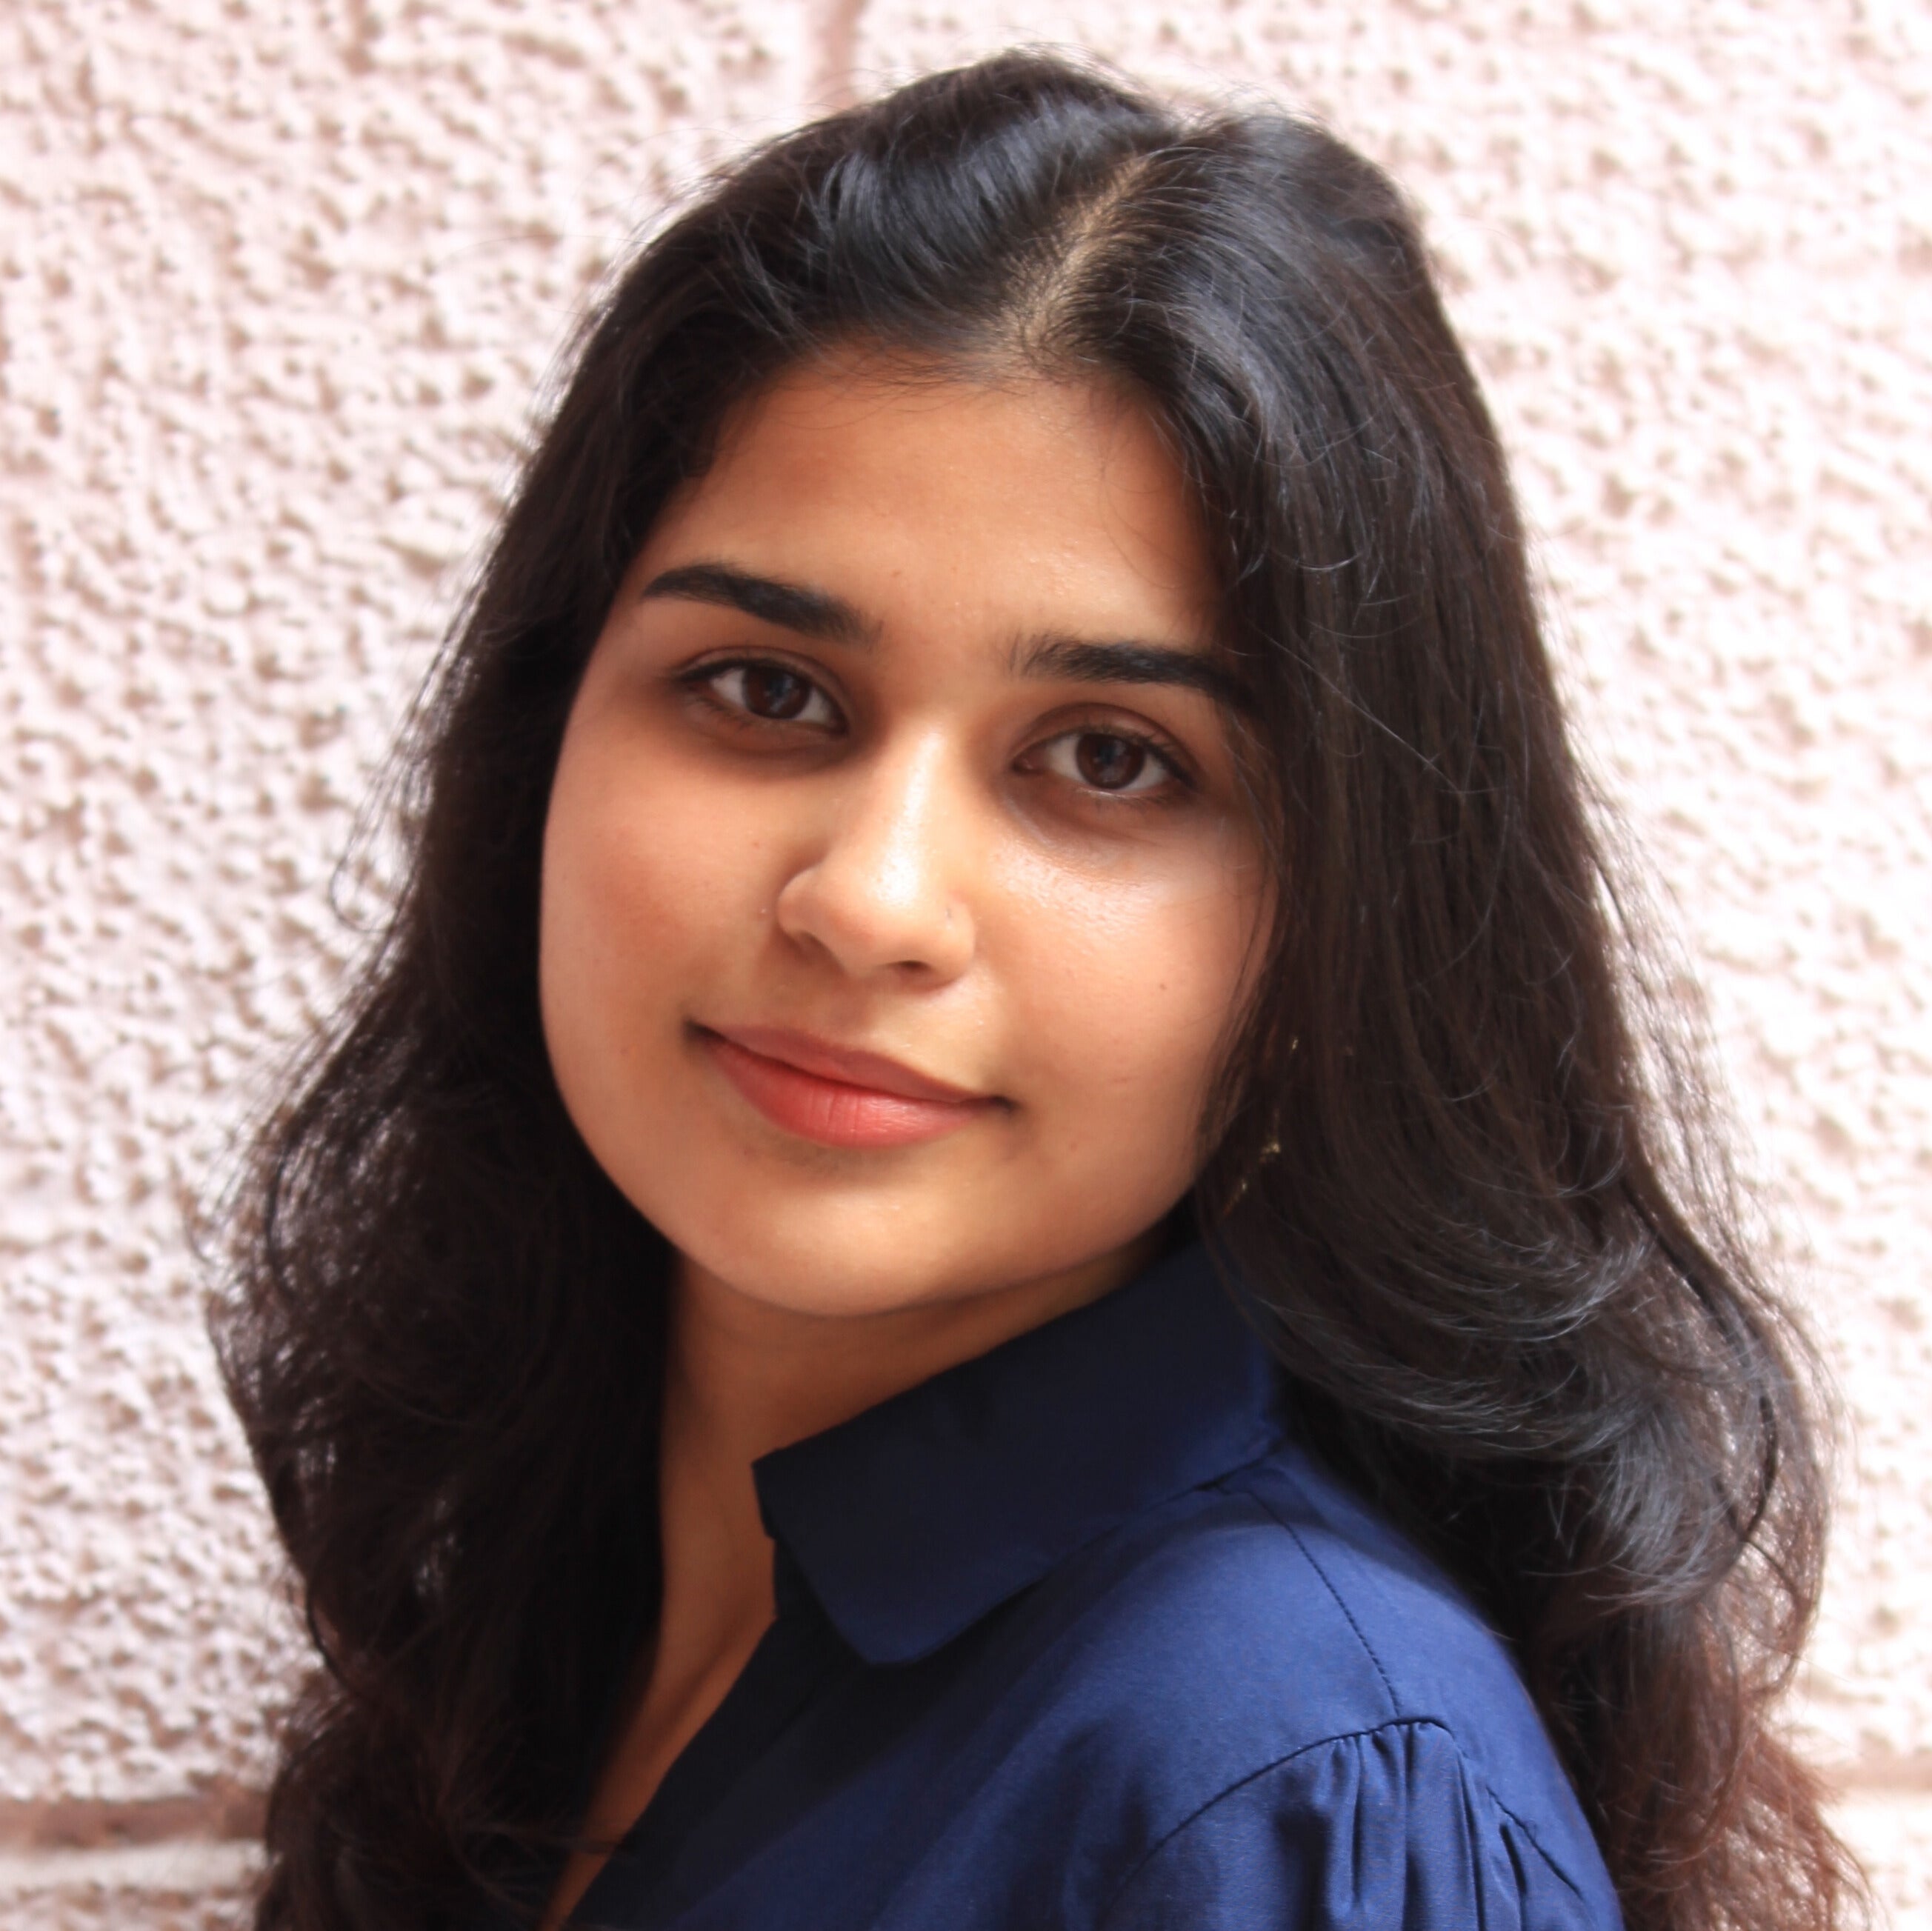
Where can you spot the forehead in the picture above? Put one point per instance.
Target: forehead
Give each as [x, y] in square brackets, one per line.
[1035, 503]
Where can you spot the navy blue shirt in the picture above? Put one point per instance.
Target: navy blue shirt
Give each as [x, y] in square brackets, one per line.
[1073, 1636]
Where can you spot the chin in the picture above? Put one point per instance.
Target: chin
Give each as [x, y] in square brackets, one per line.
[838, 1263]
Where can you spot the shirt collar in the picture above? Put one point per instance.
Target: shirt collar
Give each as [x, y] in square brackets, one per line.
[910, 1522]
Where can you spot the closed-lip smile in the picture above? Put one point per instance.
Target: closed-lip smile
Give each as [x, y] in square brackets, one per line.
[837, 1095]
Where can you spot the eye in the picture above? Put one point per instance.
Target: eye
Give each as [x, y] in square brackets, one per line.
[1107, 761]
[770, 692]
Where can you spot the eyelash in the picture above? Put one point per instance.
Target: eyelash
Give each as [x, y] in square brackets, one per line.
[702, 683]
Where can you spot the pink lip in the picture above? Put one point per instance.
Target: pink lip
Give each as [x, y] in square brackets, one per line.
[835, 1095]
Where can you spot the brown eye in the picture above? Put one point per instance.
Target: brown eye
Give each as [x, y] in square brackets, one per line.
[1109, 763]
[767, 694]
[1115, 764]
[770, 691]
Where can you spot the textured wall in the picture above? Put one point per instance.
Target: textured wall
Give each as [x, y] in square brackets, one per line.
[278, 283]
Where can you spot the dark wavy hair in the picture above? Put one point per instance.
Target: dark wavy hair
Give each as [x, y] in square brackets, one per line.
[1453, 1153]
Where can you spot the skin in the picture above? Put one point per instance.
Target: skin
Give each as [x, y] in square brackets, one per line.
[895, 811]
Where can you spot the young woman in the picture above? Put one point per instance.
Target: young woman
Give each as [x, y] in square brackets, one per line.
[999, 1240]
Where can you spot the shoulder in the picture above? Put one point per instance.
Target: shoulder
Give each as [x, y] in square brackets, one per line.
[1388, 1827]
[1268, 1655]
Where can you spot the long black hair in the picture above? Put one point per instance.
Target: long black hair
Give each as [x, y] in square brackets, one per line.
[1450, 1154]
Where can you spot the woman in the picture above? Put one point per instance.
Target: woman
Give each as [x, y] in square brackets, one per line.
[999, 1240]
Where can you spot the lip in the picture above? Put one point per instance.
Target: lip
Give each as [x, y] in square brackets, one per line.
[838, 1096]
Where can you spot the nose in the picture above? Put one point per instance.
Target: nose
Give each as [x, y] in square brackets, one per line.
[879, 891]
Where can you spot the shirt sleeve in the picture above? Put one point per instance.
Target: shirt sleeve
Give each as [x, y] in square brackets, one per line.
[1390, 1830]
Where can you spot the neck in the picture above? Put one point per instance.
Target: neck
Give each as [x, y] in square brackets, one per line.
[744, 1377]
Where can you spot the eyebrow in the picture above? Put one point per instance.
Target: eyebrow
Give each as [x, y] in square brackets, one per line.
[1080, 661]
[792, 607]
[817, 613]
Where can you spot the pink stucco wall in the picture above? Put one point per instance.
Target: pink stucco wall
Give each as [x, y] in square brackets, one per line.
[278, 282]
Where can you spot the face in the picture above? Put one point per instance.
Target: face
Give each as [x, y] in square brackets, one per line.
[898, 892]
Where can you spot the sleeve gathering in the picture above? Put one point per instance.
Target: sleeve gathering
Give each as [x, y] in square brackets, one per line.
[1389, 1829]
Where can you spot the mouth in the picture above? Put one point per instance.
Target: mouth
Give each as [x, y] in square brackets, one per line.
[835, 1096]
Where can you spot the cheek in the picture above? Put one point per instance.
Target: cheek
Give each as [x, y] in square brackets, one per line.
[645, 877]
[1130, 991]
